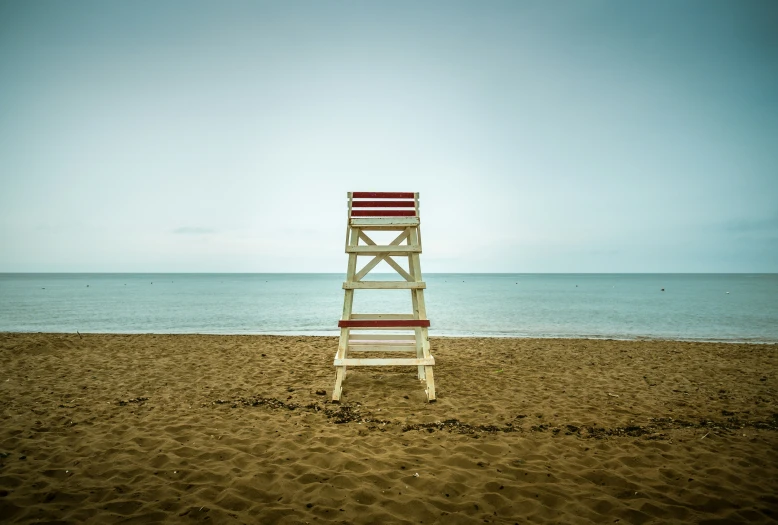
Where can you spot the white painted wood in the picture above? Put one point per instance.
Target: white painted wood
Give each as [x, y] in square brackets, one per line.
[352, 261]
[367, 222]
[380, 317]
[381, 348]
[385, 362]
[382, 337]
[381, 328]
[419, 348]
[348, 216]
[383, 285]
[414, 267]
[416, 275]
[369, 266]
[430, 384]
[337, 390]
[389, 342]
[348, 302]
[419, 310]
[391, 262]
[399, 269]
[388, 250]
[365, 339]
[384, 228]
[378, 258]
[396, 242]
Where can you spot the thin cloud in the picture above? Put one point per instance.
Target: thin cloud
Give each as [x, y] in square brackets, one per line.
[769, 225]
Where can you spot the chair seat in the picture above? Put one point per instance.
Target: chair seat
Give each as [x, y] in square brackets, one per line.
[383, 222]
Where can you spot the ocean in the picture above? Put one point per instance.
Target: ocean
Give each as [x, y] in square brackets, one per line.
[697, 307]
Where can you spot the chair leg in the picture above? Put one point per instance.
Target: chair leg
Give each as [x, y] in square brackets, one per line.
[420, 353]
[430, 384]
[338, 389]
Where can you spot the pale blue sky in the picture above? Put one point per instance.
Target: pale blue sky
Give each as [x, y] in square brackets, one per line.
[548, 136]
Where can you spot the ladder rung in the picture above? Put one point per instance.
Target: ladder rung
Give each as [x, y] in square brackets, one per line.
[384, 323]
[424, 361]
[375, 317]
[382, 348]
[384, 285]
[391, 249]
[375, 338]
[371, 328]
[388, 341]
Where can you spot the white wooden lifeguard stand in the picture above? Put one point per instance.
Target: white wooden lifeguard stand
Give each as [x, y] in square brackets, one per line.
[384, 211]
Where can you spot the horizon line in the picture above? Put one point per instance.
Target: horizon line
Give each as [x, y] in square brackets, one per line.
[379, 273]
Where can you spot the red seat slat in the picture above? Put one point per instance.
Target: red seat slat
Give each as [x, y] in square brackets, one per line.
[383, 213]
[382, 195]
[388, 323]
[383, 204]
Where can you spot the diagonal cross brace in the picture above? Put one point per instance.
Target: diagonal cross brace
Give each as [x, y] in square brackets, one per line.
[378, 258]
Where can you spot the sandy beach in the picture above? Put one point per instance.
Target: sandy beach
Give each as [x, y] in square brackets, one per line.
[240, 429]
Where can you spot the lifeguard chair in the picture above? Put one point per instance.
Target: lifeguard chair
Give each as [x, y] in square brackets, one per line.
[384, 211]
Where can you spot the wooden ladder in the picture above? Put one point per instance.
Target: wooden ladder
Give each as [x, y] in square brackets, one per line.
[384, 211]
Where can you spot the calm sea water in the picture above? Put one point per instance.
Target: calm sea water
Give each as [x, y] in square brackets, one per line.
[719, 307]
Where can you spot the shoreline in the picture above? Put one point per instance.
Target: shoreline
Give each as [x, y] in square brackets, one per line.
[234, 429]
[336, 334]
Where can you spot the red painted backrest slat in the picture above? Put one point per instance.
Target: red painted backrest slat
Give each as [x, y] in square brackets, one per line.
[382, 195]
[399, 200]
[383, 323]
[383, 213]
[383, 204]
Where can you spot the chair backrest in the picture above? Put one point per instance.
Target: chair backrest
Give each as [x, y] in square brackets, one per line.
[383, 204]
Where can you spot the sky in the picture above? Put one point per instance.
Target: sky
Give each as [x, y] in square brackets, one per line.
[543, 136]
